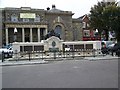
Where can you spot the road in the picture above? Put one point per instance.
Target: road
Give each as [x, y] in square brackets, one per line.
[62, 74]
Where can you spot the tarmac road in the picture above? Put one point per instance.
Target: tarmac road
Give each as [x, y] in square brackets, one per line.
[62, 74]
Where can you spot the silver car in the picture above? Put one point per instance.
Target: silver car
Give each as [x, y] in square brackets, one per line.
[6, 52]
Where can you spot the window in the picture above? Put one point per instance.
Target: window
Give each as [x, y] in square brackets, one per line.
[84, 24]
[28, 48]
[89, 46]
[86, 33]
[79, 46]
[39, 48]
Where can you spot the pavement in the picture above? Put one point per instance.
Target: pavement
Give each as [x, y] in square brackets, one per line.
[25, 62]
[39, 61]
[107, 57]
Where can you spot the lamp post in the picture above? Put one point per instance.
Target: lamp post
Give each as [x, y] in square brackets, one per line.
[15, 34]
[96, 34]
[96, 30]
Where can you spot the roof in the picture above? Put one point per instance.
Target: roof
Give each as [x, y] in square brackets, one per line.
[84, 18]
[55, 10]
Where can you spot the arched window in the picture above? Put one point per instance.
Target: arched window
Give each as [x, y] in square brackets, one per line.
[58, 30]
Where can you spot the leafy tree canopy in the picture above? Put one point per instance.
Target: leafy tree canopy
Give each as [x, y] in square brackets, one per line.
[106, 16]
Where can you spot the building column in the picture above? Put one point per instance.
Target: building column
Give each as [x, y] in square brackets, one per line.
[23, 35]
[6, 31]
[31, 36]
[38, 34]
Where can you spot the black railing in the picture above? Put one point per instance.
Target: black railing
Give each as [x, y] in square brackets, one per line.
[53, 55]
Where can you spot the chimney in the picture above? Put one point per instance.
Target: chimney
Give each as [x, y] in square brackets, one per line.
[53, 6]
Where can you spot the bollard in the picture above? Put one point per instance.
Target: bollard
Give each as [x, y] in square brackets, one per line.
[2, 56]
[42, 55]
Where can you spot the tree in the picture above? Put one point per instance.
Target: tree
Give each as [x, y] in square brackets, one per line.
[112, 13]
[105, 16]
[96, 17]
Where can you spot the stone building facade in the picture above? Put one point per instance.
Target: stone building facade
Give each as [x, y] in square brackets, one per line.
[26, 24]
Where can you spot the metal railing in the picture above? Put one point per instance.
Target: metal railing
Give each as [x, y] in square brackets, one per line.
[53, 55]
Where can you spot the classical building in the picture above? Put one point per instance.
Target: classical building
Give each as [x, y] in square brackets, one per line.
[26, 24]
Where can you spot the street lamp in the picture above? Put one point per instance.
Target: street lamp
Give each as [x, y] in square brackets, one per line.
[96, 34]
[96, 30]
[15, 34]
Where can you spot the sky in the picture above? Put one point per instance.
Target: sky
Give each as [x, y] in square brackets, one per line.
[79, 7]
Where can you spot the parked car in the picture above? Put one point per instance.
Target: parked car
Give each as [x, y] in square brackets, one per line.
[111, 45]
[107, 43]
[105, 46]
[6, 52]
[104, 50]
[115, 50]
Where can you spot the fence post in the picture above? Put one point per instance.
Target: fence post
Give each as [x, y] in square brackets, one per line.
[42, 54]
[54, 54]
[73, 54]
[84, 53]
[29, 55]
[63, 53]
[93, 52]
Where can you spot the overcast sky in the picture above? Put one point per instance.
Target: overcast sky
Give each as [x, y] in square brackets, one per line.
[79, 7]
